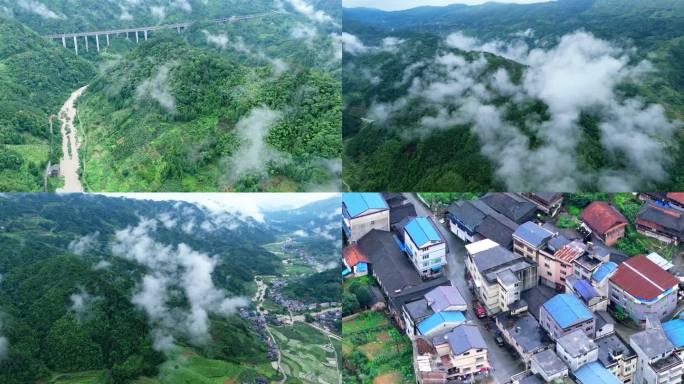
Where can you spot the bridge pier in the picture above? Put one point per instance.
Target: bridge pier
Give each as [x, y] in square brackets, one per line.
[64, 41]
[76, 45]
[127, 36]
[107, 40]
[136, 37]
[146, 35]
[178, 28]
[97, 42]
[86, 42]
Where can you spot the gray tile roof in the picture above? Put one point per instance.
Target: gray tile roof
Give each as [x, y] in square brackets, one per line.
[533, 234]
[549, 362]
[525, 330]
[465, 337]
[612, 344]
[394, 270]
[443, 297]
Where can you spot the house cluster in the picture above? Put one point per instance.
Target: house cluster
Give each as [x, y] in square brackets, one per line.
[552, 292]
[406, 253]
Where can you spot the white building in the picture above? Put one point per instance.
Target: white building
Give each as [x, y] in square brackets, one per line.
[363, 212]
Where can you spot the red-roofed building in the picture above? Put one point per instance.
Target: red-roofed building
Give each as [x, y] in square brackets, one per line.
[605, 221]
[643, 289]
[676, 197]
[664, 224]
[355, 260]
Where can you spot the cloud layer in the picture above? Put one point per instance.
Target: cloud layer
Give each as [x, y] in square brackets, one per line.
[173, 271]
[578, 76]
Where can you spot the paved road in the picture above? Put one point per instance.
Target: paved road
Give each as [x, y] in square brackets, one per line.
[505, 364]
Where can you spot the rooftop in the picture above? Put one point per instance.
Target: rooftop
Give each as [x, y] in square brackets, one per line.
[437, 319]
[643, 279]
[601, 217]
[400, 212]
[352, 255]
[584, 289]
[670, 221]
[549, 362]
[652, 341]
[465, 337]
[660, 261]
[511, 205]
[394, 270]
[676, 196]
[357, 203]
[422, 230]
[576, 343]
[570, 251]
[604, 271]
[567, 310]
[533, 234]
[525, 330]
[674, 331]
[418, 309]
[595, 373]
[493, 257]
[610, 347]
[443, 297]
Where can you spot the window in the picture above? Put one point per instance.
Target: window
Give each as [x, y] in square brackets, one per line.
[479, 350]
[479, 366]
[466, 353]
[479, 359]
[372, 222]
[549, 273]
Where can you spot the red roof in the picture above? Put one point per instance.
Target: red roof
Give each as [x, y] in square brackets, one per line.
[676, 196]
[642, 278]
[601, 217]
[353, 255]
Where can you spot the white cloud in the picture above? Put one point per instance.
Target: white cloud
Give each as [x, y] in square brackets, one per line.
[38, 8]
[303, 31]
[157, 88]
[4, 343]
[580, 74]
[102, 264]
[80, 302]
[395, 5]
[355, 47]
[158, 11]
[174, 269]
[309, 11]
[84, 243]
[220, 40]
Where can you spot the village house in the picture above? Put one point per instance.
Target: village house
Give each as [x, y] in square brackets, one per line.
[440, 308]
[643, 289]
[424, 244]
[674, 331]
[565, 313]
[355, 262]
[664, 224]
[463, 352]
[547, 202]
[523, 333]
[594, 373]
[495, 216]
[576, 349]
[600, 279]
[604, 221]
[666, 199]
[548, 366]
[498, 275]
[363, 212]
[617, 357]
[585, 265]
[657, 362]
[587, 293]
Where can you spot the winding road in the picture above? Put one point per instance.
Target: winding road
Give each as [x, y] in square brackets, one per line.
[259, 299]
[69, 164]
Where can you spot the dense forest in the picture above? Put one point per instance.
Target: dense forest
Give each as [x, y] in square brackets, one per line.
[81, 276]
[246, 105]
[35, 79]
[403, 131]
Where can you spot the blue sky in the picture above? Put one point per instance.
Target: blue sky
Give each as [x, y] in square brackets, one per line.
[393, 5]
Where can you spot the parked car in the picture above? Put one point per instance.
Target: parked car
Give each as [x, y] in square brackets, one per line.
[479, 309]
[499, 341]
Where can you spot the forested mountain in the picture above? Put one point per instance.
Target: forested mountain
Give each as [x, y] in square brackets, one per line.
[127, 288]
[244, 105]
[35, 78]
[565, 95]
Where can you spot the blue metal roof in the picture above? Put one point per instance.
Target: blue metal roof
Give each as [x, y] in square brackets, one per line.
[595, 373]
[584, 289]
[533, 233]
[422, 231]
[439, 318]
[674, 330]
[358, 203]
[605, 270]
[346, 271]
[361, 267]
[566, 309]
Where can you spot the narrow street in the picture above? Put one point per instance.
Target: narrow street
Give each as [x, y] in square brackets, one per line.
[259, 299]
[504, 363]
[69, 164]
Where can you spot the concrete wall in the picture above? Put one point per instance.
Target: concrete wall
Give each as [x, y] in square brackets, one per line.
[363, 224]
[638, 310]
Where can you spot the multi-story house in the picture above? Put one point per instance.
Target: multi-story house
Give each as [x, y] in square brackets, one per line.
[657, 362]
[616, 356]
[604, 221]
[523, 333]
[565, 313]
[547, 202]
[576, 349]
[363, 212]
[643, 289]
[498, 275]
[424, 245]
[662, 223]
